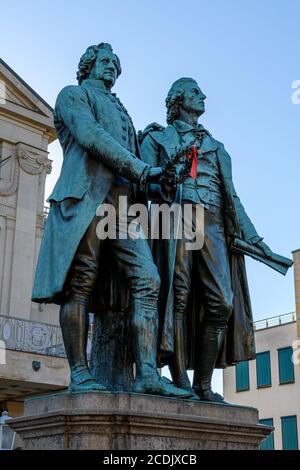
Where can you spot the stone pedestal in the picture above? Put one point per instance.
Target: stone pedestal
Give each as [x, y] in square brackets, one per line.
[119, 421]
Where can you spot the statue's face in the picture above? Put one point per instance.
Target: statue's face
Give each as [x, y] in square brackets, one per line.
[193, 98]
[105, 68]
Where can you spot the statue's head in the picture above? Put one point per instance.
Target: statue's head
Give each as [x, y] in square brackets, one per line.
[100, 63]
[186, 95]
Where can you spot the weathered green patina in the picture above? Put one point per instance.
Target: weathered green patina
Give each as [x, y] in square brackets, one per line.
[101, 162]
[93, 157]
[205, 310]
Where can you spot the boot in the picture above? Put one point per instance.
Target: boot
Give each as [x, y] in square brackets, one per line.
[177, 362]
[210, 344]
[147, 379]
[74, 322]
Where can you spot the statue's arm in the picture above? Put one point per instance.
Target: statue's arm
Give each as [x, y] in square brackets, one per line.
[150, 155]
[73, 109]
[150, 151]
[247, 228]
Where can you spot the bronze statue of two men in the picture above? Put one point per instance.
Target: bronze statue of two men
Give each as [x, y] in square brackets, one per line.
[188, 309]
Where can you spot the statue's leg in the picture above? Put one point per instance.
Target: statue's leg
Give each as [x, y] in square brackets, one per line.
[74, 313]
[211, 341]
[214, 272]
[134, 258]
[182, 286]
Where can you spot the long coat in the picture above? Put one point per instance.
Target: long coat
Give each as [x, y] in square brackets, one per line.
[99, 142]
[158, 144]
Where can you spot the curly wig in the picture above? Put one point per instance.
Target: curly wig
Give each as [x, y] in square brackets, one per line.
[175, 98]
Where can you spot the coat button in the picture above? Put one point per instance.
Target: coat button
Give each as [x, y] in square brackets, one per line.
[124, 137]
[124, 128]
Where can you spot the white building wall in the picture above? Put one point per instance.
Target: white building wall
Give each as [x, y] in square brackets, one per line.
[26, 128]
[275, 401]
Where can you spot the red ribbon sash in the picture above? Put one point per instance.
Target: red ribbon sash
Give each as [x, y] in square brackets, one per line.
[193, 155]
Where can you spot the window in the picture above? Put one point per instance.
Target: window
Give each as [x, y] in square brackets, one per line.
[242, 376]
[289, 433]
[263, 369]
[268, 443]
[286, 366]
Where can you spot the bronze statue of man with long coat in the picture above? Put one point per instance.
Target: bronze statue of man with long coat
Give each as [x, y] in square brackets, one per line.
[101, 163]
[205, 311]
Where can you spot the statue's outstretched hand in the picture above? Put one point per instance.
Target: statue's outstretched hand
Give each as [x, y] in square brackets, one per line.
[265, 248]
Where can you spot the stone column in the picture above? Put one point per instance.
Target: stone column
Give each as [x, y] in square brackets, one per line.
[33, 162]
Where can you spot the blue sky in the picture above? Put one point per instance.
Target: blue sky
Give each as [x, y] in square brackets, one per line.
[244, 55]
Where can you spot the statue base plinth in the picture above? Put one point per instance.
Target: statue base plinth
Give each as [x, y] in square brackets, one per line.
[124, 421]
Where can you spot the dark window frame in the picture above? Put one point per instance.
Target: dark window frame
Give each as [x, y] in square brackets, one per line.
[281, 419]
[271, 436]
[292, 381]
[238, 390]
[263, 385]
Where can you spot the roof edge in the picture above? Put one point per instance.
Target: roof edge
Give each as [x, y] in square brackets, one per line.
[26, 85]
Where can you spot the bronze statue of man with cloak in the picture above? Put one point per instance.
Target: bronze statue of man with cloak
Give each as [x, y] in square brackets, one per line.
[101, 163]
[205, 311]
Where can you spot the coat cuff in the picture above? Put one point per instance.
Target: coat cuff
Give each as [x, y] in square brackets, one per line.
[255, 240]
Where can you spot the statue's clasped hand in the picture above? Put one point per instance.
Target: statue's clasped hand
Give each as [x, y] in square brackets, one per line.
[174, 171]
